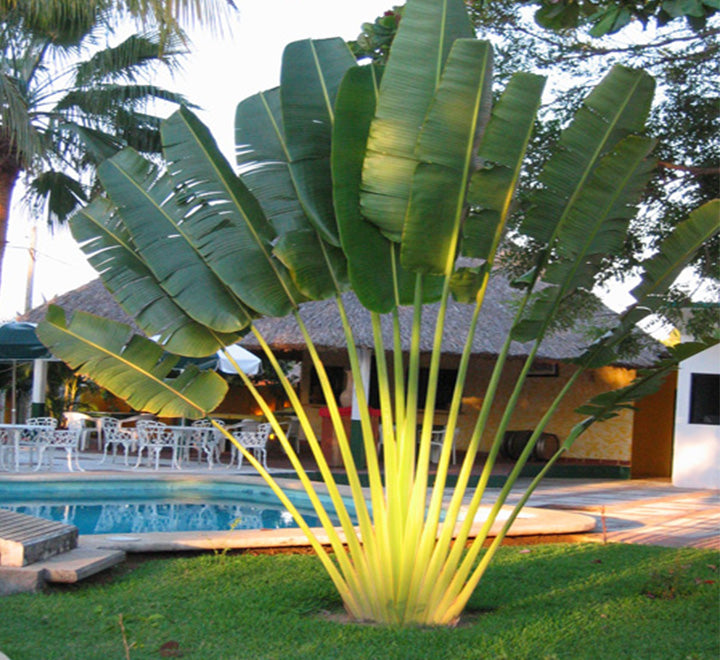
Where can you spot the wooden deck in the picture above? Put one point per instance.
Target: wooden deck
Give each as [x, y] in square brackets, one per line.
[26, 539]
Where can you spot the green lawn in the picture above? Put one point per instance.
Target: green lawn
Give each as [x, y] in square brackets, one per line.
[551, 601]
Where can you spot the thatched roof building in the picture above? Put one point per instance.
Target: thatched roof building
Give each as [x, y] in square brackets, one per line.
[323, 321]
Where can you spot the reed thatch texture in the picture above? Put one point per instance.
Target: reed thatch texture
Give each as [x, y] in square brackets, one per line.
[323, 322]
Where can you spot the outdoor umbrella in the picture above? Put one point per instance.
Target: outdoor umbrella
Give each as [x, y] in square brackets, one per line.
[19, 343]
[248, 362]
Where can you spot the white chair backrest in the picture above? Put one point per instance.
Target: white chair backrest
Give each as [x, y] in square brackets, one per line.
[76, 425]
[44, 422]
[109, 423]
[152, 432]
[111, 429]
[73, 415]
[256, 438]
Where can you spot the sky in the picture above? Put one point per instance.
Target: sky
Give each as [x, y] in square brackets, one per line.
[222, 71]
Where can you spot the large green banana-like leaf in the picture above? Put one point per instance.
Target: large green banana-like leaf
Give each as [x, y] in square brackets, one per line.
[108, 246]
[131, 367]
[445, 151]
[373, 263]
[596, 226]
[153, 215]
[370, 264]
[311, 74]
[501, 155]
[263, 159]
[617, 107]
[223, 219]
[318, 269]
[662, 269]
[263, 156]
[420, 48]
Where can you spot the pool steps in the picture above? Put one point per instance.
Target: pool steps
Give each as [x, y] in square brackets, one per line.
[26, 539]
[34, 551]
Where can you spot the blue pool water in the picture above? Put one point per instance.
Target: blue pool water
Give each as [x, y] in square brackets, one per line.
[122, 507]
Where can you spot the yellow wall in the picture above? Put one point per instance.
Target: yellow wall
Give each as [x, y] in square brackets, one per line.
[610, 440]
[653, 432]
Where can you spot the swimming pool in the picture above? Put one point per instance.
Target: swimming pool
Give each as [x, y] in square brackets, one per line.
[132, 506]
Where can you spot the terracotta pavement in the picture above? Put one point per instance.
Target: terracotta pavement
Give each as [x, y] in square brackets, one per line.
[645, 511]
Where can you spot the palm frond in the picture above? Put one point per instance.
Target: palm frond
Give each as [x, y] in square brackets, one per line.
[61, 193]
[374, 267]
[617, 107]
[501, 154]
[406, 91]
[310, 77]
[263, 160]
[103, 101]
[445, 154]
[23, 137]
[595, 227]
[674, 252]
[137, 56]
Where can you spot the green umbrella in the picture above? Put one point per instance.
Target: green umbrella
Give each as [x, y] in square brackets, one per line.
[19, 343]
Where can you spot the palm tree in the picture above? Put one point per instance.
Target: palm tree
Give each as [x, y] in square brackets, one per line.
[68, 100]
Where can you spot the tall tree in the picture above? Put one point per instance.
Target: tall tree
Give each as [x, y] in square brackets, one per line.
[68, 100]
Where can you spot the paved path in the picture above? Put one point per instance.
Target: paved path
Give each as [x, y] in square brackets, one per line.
[647, 511]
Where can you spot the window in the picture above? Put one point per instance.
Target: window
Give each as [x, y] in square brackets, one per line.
[445, 388]
[336, 376]
[705, 399]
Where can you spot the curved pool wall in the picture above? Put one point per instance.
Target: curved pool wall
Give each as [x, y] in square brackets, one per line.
[534, 522]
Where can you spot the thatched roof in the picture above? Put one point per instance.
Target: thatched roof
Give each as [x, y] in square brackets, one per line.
[92, 297]
[323, 322]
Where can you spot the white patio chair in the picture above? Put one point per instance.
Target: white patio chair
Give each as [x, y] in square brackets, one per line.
[67, 439]
[36, 435]
[113, 434]
[255, 440]
[88, 426]
[294, 433]
[7, 448]
[206, 440]
[436, 443]
[152, 438]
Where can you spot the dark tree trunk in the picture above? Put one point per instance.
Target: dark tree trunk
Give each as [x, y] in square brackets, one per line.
[8, 178]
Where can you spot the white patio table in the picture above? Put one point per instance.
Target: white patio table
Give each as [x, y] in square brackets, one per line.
[13, 437]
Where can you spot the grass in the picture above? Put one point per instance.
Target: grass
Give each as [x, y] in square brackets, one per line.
[545, 601]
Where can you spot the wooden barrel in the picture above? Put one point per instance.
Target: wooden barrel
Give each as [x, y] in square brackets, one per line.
[513, 444]
[515, 441]
[546, 447]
